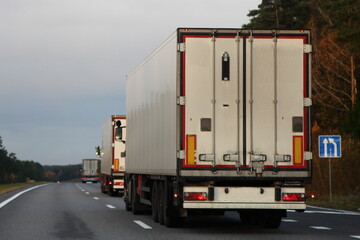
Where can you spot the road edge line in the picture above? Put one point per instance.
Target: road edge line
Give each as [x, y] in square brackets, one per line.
[2, 204]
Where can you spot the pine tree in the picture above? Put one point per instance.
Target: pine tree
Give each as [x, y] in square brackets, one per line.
[279, 14]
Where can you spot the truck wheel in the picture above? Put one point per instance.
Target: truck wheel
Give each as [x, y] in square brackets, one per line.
[127, 205]
[272, 222]
[247, 218]
[135, 200]
[160, 206]
[272, 219]
[170, 218]
[154, 201]
[102, 187]
[111, 191]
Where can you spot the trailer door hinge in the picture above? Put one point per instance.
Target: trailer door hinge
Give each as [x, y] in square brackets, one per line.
[180, 100]
[307, 48]
[307, 156]
[113, 144]
[307, 102]
[180, 154]
[181, 47]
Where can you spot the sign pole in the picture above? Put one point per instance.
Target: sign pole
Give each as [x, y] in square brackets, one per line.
[330, 187]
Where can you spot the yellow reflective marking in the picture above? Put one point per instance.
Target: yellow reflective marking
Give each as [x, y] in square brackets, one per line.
[116, 164]
[298, 155]
[191, 142]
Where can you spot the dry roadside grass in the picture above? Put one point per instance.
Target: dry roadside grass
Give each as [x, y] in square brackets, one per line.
[350, 203]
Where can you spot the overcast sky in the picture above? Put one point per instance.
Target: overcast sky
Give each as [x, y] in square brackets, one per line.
[63, 65]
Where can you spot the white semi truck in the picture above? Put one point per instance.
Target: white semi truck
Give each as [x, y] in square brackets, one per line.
[219, 119]
[90, 170]
[112, 153]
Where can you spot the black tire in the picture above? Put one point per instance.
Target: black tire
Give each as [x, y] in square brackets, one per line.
[135, 199]
[103, 189]
[111, 192]
[247, 218]
[154, 201]
[272, 222]
[127, 205]
[160, 205]
[170, 218]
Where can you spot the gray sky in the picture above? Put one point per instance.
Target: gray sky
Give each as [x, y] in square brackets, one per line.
[63, 65]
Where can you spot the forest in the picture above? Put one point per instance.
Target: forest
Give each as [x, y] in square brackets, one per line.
[13, 170]
[335, 69]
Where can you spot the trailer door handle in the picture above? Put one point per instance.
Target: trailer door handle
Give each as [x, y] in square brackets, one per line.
[225, 66]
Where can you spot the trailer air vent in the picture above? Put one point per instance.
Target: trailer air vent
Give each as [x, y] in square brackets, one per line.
[205, 124]
[297, 124]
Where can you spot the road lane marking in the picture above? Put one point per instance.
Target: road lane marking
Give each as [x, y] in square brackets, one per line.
[20, 193]
[334, 211]
[110, 206]
[96, 198]
[143, 225]
[82, 190]
[353, 236]
[320, 228]
[289, 220]
[330, 212]
[87, 193]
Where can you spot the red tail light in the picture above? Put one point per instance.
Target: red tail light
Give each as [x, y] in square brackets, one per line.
[293, 197]
[119, 183]
[195, 196]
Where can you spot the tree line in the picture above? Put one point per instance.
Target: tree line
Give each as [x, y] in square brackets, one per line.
[335, 69]
[13, 170]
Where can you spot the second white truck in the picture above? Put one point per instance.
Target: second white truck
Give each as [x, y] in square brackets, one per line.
[217, 120]
[112, 153]
[90, 170]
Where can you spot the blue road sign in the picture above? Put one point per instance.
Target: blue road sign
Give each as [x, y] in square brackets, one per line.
[330, 146]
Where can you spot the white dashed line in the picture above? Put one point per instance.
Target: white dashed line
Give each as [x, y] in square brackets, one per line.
[87, 193]
[110, 206]
[289, 220]
[357, 237]
[143, 225]
[96, 198]
[82, 190]
[320, 228]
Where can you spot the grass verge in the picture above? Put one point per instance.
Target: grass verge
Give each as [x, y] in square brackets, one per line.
[350, 203]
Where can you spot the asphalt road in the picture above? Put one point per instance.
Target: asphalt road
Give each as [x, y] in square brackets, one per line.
[81, 211]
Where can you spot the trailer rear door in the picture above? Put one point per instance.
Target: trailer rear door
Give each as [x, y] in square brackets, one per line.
[246, 100]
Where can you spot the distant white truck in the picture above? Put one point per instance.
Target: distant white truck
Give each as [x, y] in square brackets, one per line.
[90, 170]
[219, 119]
[112, 153]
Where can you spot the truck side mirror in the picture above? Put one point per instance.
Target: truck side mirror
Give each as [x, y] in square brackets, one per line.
[98, 151]
[118, 134]
[118, 123]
